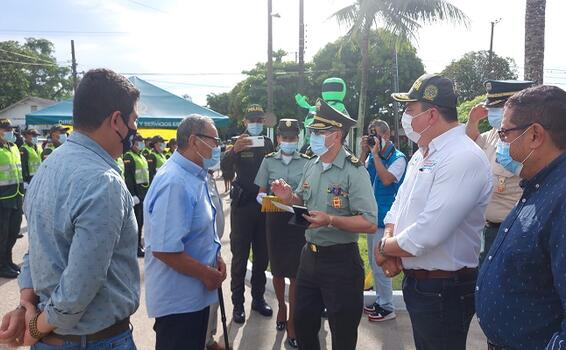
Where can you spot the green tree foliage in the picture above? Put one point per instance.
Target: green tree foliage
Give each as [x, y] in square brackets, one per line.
[35, 72]
[472, 70]
[464, 110]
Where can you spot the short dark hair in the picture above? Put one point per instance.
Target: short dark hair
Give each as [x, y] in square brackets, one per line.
[450, 114]
[541, 104]
[100, 93]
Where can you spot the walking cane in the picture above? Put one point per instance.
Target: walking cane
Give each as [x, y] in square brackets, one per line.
[223, 317]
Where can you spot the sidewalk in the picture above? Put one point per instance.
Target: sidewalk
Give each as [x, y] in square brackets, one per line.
[258, 333]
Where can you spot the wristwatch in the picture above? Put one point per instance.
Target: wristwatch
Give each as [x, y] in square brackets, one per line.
[330, 222]
[381, 247]
[32, 327]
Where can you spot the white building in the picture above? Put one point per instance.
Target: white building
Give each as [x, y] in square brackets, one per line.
[17, 111]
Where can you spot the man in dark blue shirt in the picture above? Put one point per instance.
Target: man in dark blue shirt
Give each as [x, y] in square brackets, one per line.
[521, 288]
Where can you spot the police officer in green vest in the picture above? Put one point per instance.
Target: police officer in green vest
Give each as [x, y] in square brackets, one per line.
[171, 148]
[337, 192]
[136, 176]
[11, 198]
[120, 163]
[156, 157]
[57, 136]
[30, 154]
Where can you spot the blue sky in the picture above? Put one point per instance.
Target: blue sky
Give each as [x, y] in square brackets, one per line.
[210, 42]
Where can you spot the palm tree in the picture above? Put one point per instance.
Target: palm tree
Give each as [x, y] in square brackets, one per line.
[534, 40]
[401, 17]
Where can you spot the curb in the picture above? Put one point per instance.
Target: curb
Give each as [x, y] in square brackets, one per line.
[369, 297]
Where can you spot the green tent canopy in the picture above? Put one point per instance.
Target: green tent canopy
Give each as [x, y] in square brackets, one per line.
[157, 109]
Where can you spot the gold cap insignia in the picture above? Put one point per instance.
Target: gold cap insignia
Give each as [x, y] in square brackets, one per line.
[288, 123]
[430, 93]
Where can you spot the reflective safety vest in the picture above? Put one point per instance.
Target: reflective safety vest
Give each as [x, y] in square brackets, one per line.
[120, 163]
[10, 168]
[142, 170]
[34, 158]
[159, 159]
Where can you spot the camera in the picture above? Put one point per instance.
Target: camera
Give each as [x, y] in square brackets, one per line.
[371, 139]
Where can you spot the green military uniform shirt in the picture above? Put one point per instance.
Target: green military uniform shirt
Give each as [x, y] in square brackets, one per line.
[272, 168]
[344, 189]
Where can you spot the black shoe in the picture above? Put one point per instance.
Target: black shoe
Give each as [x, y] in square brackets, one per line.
[293, 343]
[239, 315]
[262, 307]
[20, 236]
[141, 252]
[7, 272]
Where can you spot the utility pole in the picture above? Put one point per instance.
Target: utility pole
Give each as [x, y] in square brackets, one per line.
[490, 62]
[395, 103]
[301, 45]
[269, 58]
[74, 65]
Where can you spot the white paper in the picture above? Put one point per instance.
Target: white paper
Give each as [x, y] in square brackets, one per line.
[283, 207]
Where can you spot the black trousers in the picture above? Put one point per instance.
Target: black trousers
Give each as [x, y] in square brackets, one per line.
[248, 230]
[10, 222]
[441, 310]
[331, 278]
[138, 211]
[181, 331]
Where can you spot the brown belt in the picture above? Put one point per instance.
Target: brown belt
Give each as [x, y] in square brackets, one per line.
[425, 274]
[112, 331]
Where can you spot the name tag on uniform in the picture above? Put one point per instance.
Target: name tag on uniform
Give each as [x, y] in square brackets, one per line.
[500, 184]
[245, 154]
[427, 166]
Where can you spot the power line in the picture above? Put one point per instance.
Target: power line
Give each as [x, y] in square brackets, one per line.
[147, 6]
[188, 84]
[26, 56]
[30, 63]
[18, 31]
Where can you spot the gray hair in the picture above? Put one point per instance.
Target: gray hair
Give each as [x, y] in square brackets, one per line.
[381, 125]
[191, 125]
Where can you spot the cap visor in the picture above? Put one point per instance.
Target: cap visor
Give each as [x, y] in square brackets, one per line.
[403, 97]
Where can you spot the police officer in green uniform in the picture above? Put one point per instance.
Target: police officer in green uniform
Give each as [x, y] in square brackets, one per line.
[247, 220]
[11, 198]
[156, 156]
[30, 154]
[284, 242]
[336, 190]
[136, 176]
[171, 148]
[57, 136]
[120, 163]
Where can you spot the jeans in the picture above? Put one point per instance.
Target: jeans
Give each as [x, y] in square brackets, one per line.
[123, 341]
[381, 284]
[440, 310]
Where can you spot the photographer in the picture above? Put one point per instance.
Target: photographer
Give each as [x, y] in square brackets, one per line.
[386, 166]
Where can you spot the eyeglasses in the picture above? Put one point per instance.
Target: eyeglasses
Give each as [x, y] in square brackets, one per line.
[503, 132]
[217, 140]
[322, 132]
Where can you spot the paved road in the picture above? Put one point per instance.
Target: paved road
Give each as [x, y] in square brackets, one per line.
[258, 332]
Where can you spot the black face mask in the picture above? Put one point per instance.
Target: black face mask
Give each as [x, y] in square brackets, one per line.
[127, 140]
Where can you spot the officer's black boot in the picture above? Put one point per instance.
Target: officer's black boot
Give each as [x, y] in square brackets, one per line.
[262, 307]
[5, 270]
[10, 263]
[239, 315]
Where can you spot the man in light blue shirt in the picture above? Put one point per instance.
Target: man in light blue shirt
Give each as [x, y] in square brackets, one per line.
[80, 279]
[183, 267]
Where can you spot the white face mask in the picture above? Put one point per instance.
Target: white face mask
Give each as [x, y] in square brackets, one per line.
[406, 121]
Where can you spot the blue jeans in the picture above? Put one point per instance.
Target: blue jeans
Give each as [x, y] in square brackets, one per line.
[441, 310]
[123, 341]
[381, 284]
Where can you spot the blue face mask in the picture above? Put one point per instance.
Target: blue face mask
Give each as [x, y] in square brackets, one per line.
[288, 147]
[255, 128]
[318, 144]
[494, 117]
[214, 159]
[9, 136]
[62, 138]
[141, 145]
[34, 140]
[503, 157]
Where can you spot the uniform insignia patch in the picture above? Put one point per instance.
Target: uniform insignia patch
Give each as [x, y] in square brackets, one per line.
[430, 93]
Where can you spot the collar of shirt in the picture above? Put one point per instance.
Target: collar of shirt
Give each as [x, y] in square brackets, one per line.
[189, 166]
[339, 160]
[83, 140]
[279, 155]
[533, 183]
[442, 141]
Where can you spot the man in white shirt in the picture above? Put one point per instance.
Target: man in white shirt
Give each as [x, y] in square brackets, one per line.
[433, 229]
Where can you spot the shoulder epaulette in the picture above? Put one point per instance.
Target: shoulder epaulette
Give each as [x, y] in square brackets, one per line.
[305, 156]
[270, 155]
[354, 160]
